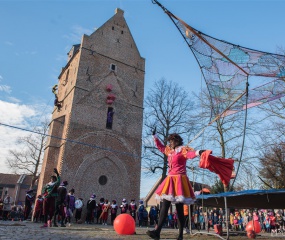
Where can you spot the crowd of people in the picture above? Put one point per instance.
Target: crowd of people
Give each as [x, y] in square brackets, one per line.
[57, 206]
[98, 213]
[269, 219]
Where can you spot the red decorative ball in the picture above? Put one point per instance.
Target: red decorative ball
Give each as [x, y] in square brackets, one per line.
[124, 224]
[253, 226]
[251, 234]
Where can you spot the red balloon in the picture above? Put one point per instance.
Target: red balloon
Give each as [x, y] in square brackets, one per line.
[251, 234]
[124, 224]
[253, 227]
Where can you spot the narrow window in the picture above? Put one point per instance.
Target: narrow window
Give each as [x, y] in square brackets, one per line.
[113, 28]
[113, 67]
[122, 32]
[110, 114]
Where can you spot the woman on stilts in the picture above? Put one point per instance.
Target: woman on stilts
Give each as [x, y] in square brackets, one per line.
[176, 187]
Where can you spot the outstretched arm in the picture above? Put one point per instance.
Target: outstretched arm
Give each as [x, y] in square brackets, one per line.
[158, 144]
[191, 153]
[57, 183]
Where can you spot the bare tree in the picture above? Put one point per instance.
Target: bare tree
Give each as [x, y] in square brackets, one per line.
[272, 163]
[29, 159]
[218, 187]
[224, 135]
[169, 108]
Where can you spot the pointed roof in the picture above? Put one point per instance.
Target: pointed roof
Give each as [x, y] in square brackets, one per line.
[114, 39]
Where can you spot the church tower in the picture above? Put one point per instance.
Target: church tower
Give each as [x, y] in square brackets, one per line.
[96, 143]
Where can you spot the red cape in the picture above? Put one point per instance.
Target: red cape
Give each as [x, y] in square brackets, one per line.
[221, 166]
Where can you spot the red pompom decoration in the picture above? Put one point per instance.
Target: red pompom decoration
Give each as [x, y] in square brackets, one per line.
[109, 87]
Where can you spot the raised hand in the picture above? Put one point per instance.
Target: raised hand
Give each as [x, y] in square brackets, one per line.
[201, 151]
[154, 131]
[55, 171]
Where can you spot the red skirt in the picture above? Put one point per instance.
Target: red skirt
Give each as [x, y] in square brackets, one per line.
[176, 189]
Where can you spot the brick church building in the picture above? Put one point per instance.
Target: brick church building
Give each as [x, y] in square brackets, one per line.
[96, 133]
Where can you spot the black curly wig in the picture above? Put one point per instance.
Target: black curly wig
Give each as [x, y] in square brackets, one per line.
[175, 137]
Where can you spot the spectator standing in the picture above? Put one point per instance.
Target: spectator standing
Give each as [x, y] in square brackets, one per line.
[133, 209]
[153, 214]
[50, 194]
[38, 212]
[29, 199]
[267, 223]
[201, 220]
[7, 206]
[105, 212]
[78, 211]
[13, 215]
[114, 209]
[145, 217]
[170, 220]
[99, 210]
[91, 205]
[70, 206]
[124, 206]
[140, 213]
[60, 204]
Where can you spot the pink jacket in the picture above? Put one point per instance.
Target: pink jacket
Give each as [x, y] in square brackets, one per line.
[176, 158]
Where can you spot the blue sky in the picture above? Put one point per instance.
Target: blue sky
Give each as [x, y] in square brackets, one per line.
[36, 36]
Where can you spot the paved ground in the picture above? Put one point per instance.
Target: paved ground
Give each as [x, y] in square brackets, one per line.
[32, 231]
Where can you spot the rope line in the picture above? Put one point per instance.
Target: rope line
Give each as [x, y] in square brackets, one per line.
[72, 141]
[92, 51]
[244, 133]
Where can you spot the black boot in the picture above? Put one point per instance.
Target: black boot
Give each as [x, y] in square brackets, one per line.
[54, 221]
[153, 234]
[180, 214]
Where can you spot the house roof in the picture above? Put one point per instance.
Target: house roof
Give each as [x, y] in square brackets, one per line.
[10, 180]
[27, 180]
[152, 190]
[266, 199]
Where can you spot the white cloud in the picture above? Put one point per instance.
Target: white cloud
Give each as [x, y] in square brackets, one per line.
[13, 113]
[14, 100]
[17, 115]
[77, 32]
[5, 88]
